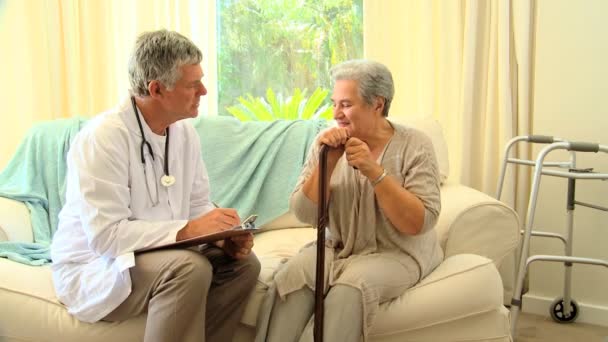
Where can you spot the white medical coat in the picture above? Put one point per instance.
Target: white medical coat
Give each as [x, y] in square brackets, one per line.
[116, 205]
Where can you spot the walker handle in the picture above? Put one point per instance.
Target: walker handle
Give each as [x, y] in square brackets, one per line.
[541, 139]
[584, 147]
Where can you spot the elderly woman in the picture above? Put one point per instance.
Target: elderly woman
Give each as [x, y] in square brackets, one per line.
[384, 202]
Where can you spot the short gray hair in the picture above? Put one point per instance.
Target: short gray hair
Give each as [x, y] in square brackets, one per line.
[159, 55]
[374, 79]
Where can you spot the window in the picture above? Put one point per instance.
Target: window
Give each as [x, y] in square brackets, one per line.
[274, 56]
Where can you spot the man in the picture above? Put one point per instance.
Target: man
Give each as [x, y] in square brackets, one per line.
[136, 180]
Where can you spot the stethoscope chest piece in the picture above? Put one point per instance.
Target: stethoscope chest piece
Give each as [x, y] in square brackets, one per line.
[167, 180]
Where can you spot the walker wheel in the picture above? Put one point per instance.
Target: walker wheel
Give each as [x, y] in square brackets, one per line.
[558, 314]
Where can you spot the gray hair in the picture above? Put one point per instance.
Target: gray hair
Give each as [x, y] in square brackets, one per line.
[159, 55]
[374, 80]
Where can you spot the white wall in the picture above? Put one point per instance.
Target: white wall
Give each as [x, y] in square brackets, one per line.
[571, 101]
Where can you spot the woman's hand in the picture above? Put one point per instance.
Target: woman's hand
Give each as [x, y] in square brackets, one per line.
[358, 155]
[336, 138]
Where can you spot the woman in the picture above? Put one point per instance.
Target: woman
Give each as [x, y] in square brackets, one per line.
[384, 202]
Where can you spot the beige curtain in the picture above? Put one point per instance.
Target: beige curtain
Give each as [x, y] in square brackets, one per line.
[64, 58]
[468, 63]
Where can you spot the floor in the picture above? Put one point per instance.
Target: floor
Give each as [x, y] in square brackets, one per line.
[533, 328]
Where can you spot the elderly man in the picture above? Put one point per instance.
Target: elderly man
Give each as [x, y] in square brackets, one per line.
[136, 180]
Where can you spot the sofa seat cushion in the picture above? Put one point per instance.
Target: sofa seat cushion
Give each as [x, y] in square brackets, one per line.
[275, 247]
[431, 302]
[463, 286]
[30, 311]
[34, 310]
[272, 248]
[29, 281]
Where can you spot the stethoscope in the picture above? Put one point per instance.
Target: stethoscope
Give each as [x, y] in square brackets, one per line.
[166, 180]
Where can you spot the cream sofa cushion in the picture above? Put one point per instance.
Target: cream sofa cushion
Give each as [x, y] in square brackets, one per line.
[16, 222]
[287, 220]
[28, 294]
[460, 220]
[3, 236]
[473, 276]
[30, 311]
[273, 248]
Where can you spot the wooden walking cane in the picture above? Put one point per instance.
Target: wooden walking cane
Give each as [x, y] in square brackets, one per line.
[322, 221]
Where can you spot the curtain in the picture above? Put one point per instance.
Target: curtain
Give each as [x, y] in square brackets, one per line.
[469, 64]
[64, 58]
[496, 95]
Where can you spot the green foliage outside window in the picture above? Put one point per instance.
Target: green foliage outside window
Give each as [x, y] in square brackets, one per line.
[284, 45]
[275, 107]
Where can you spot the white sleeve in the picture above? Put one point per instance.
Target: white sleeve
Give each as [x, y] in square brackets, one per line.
[200, 202]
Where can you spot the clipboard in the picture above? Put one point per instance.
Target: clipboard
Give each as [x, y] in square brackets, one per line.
[247, 227]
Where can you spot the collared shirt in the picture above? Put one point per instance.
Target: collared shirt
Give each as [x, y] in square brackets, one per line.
[115, 205]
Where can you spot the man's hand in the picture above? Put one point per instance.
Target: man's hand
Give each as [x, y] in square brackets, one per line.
[216, 220]
[238, 247]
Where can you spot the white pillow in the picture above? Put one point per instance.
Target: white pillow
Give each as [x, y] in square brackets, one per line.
[432, 128]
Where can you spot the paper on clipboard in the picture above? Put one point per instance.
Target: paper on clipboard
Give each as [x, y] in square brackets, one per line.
[247, 227]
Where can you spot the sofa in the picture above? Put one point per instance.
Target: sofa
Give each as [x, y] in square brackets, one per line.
[461, 300]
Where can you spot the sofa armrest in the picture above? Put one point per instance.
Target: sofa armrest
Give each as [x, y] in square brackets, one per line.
[15, 222]
[473, 222]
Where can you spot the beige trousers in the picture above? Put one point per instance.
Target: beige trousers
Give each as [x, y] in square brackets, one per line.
[189, 295]
[292, 319]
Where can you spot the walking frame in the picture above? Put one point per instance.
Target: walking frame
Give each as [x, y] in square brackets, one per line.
[562, 310]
